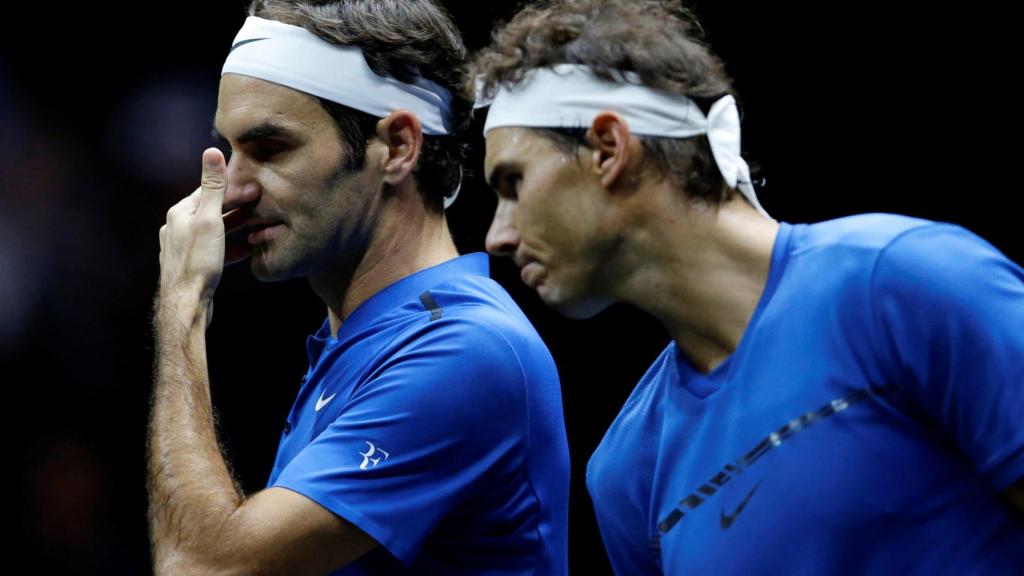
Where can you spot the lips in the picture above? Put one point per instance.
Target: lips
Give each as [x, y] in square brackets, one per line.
[260, 232]
[531, 274]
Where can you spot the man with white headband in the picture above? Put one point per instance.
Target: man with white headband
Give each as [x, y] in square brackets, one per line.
[844, 397]
[427, 436]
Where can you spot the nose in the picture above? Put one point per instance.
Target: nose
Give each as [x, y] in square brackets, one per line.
[242, 185]
[503, 236]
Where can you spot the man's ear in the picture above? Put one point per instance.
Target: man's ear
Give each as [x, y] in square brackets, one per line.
[609, 139]
[400, 131]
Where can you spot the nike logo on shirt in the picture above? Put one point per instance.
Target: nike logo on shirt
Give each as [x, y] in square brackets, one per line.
[323, 401]
[728, 521]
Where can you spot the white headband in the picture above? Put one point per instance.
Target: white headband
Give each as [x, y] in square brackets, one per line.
[571, 96]
[295, 57]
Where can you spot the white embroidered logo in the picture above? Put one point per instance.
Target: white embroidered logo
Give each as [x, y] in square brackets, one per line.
[366, 456]
[321, 402]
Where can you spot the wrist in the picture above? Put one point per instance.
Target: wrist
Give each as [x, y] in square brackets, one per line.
[180, 311]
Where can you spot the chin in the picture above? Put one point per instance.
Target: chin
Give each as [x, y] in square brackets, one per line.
[267, 269]
[575, 307]
[264, 273]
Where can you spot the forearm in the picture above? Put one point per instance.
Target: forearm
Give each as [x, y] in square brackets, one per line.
[192, 495]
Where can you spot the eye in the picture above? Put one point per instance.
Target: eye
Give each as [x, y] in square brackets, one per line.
[509, 185]
[266, 149]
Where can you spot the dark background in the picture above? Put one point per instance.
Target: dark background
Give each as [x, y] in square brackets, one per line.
[105, 110]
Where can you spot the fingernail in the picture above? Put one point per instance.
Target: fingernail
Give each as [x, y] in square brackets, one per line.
[211, 161]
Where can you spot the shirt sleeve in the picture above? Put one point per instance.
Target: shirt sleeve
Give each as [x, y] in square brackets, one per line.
[951, 311]
[429, 428]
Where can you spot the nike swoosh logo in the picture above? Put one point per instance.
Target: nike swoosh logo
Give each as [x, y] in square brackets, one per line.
[728, 521]
[323, 401]
[244, 42]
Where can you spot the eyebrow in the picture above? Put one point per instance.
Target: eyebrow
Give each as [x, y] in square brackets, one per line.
[258, 132]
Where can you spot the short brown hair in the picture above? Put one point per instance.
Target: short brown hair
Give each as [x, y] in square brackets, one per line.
[659, 40]
[401, 39]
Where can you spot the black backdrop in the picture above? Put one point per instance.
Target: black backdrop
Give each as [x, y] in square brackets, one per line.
[104, 111]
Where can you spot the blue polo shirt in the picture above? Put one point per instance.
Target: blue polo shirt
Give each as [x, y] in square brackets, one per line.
[434, 423]
[866, 423]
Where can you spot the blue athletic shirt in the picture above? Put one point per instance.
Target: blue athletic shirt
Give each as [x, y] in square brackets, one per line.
[866, 423]
[434, 423]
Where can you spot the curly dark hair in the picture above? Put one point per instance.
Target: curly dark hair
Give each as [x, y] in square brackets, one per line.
[661, 41]
[401, 40]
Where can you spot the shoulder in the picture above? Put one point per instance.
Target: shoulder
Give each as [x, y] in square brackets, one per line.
[472, 336]
[478, 308]
[943, 289]
[837, 257]
[863, 232]
[944, 263]
[480, 298]
[885, 253]
[894, 238]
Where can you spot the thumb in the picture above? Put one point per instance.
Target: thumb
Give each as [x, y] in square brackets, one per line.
[213, 184]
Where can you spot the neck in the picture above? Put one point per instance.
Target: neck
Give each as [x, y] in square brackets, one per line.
[408, 238]
[700, 270]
